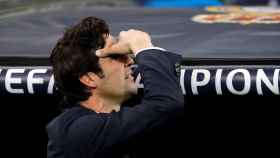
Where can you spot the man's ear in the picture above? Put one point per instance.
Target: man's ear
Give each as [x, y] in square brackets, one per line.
[89, 79]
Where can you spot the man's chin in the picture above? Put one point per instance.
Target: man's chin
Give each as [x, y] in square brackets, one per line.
[131, 98]
[134, 90]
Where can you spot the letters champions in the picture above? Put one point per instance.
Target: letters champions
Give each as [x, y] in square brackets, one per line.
[230, 80]
[194, 80]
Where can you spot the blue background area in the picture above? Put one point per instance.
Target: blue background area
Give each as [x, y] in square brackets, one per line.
[180, 3]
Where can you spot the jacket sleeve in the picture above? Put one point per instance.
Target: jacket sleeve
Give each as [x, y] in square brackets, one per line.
[162, 99]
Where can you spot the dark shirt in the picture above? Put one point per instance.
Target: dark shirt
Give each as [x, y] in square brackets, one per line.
[81, 133]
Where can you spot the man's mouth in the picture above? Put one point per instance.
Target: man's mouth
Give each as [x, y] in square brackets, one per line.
[129, 76]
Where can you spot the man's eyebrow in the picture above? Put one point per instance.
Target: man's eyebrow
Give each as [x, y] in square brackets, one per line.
[115, 56]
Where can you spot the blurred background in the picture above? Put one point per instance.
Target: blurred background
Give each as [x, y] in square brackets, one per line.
[14, 7]
[18, 5]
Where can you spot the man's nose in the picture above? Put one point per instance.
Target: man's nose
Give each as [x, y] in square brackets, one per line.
[129, 61]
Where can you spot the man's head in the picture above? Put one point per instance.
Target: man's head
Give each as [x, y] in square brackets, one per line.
[79, 73]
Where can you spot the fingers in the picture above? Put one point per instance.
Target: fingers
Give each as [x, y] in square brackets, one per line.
[118, 48]
[128, 42]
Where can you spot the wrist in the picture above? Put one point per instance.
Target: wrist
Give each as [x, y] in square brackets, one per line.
[137, 49]
[150, 48]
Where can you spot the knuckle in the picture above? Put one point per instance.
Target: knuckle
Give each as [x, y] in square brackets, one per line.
[122, 32]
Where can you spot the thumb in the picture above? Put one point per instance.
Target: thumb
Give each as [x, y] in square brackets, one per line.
[100, 53]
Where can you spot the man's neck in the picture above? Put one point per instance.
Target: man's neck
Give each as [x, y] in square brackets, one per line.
[101, 105]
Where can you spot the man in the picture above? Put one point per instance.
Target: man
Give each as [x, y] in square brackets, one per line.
[93, 71]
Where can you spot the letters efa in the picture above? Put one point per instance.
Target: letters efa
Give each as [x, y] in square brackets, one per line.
[26, 81]
[194, 80]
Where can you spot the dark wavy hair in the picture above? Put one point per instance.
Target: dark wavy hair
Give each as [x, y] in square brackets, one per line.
[74, 56]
